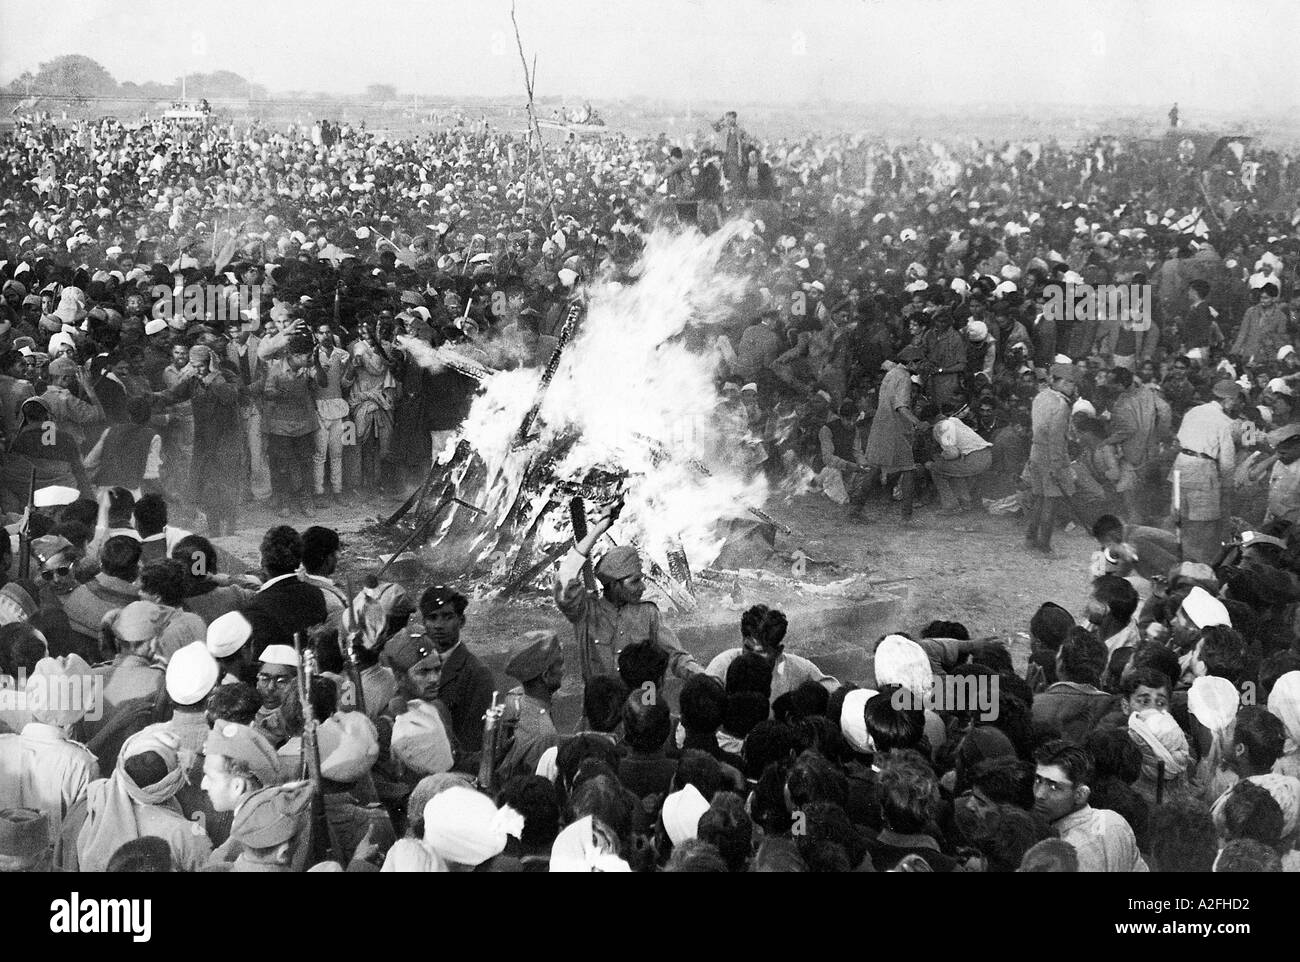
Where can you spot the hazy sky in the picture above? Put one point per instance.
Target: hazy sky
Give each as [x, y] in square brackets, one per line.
[1213, 54]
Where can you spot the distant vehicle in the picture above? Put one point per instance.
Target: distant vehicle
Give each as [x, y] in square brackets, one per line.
[187, 111]
[581, 121]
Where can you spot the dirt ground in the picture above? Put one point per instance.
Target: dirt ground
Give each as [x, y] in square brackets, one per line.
[972, 568]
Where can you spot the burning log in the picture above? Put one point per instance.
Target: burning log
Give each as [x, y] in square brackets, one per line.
[562, 337]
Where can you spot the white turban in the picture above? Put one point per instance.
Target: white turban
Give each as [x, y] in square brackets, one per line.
[901, 661]
[464, 828]
[853, 719]
[581, 847]
[1284, 702]
[682, 811]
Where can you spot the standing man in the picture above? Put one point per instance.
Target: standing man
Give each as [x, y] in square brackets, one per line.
[1132, 430]
[333, 367]
[607, 623]
[1204, 466]
[893, 430]
[733, 146]
[945, 351]
[1263, 330]
[178, 441]
[289, 415]
[241, 354]
[526, 725]
[465, 685]
[1048, 468]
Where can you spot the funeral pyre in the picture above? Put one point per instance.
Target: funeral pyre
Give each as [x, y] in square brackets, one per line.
[624, 413]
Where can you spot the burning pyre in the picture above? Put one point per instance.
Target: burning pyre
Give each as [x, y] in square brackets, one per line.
[625, 412]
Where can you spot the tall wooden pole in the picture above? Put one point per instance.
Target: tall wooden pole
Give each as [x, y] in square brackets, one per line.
[532, 114]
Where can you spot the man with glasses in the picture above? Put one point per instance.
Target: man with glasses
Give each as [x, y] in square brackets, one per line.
[1103, 839]
[277, 674]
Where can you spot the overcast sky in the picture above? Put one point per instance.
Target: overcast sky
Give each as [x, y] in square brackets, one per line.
[1213, 54]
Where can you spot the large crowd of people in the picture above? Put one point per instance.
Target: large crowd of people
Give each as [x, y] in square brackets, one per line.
[197, 318]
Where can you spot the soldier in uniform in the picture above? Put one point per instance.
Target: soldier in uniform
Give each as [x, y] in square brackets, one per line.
[1204, 470]
[526, 725]
[607, 623]
[1048, 468]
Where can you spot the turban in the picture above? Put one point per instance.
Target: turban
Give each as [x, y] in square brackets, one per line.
[1284, 702]
[586, 846]
[976, 331]
[1213, 702]
[619, 562]
[200, 353]
[534, 656]
[1204, 609]
[191, 674]
[138, 622]
[412, 855]
[1066, 372]
[155, 327]
[112, 804]
[1165, 739]
[464, 827]
[421, 740]
[901, 661]
[349, 746]
[247, 746]
[228, 633]
[273, 816]
[853, 719]
[682, 811]
[59, 691]
[436, 784]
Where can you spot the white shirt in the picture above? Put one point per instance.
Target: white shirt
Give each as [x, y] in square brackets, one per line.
[789, 672]
[956, 437]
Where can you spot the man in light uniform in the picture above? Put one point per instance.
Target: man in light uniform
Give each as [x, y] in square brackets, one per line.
[605, 624]
[1048, 468]
[1204, 471]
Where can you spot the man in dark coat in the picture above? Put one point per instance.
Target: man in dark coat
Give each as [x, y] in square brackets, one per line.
[285, 604]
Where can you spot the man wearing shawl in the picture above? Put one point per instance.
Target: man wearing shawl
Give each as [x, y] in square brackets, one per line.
[42, 768]
[1284, 702]
[138, 799]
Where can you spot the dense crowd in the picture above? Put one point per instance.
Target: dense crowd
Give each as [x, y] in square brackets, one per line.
[197, 317]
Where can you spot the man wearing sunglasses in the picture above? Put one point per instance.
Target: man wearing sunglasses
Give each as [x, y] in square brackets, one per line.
[56, 556]
[1102, 838]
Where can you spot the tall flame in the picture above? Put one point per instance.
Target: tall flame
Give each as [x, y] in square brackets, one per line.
[638, 401]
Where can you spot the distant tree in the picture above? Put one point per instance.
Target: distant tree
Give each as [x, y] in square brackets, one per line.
[74, 76]
[381, 93]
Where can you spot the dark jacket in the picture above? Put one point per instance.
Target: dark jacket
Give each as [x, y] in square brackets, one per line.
[280, 611]
[466, 689]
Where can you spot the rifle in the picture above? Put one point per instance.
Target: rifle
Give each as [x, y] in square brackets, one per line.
[348, 642]
[324, 842]
[578, 513]
[25, 536]
[487, 763]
